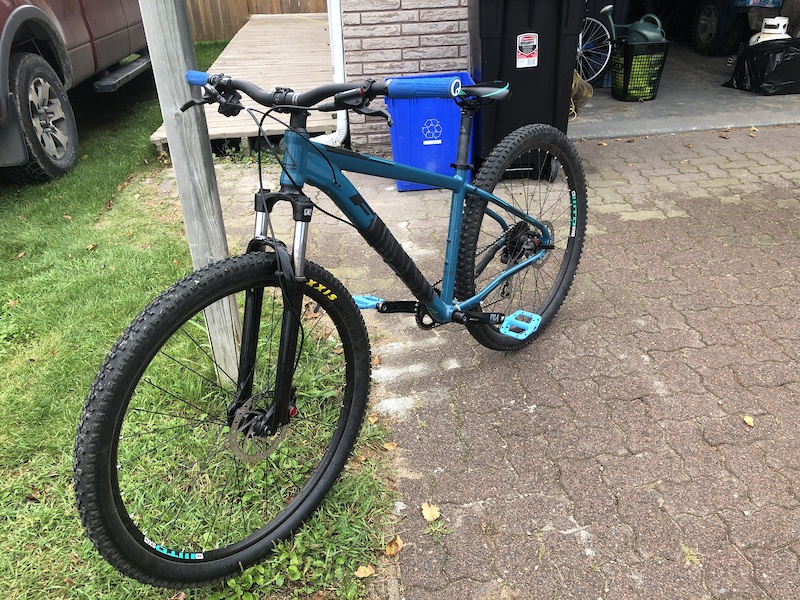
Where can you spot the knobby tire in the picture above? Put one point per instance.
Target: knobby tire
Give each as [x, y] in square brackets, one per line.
[167, 493]
[538, 170]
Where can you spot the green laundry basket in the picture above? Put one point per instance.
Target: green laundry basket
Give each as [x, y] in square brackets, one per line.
[636, 69]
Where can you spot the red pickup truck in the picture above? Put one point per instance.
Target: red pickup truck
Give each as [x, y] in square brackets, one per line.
[46, 47]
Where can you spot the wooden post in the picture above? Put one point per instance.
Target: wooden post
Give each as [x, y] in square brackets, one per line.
[169, 39]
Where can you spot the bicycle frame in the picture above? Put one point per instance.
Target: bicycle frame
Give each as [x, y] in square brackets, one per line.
[321, 166]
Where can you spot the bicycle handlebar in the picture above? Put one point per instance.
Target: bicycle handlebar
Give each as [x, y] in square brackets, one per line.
[432, 87]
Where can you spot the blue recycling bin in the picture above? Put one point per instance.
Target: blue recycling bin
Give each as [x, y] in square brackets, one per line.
[425, 132]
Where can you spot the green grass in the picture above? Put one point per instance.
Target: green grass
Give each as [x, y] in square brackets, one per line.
[79, 258]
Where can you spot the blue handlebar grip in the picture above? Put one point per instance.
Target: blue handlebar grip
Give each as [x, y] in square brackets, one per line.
[427, 87]
[196, 78]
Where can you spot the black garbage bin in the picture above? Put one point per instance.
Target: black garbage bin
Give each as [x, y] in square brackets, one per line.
[531, 44]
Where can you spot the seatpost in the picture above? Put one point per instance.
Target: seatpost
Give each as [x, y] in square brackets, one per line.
[462, 164]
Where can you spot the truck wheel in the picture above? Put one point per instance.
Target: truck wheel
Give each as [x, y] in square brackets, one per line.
[48, 123]
[711, 34]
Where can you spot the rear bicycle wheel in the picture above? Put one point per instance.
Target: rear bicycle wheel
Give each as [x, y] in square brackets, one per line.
[174, 487]
[537, 170]
[594, 49]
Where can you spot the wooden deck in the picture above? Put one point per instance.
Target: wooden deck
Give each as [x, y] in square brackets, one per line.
[271, 51]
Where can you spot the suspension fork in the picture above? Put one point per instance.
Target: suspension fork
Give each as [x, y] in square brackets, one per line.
[292, 282]
[302, 209]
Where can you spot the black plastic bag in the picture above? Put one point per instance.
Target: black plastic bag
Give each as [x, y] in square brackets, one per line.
[768, 68]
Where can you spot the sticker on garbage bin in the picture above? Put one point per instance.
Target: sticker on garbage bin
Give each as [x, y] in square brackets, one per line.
[432, 132]
[527, 50]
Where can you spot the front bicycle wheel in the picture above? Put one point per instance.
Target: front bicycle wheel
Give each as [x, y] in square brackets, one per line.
[537, 170]
[175, 485]
[594, 49]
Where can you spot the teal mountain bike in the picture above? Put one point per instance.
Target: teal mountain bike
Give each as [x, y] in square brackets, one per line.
[189, 469]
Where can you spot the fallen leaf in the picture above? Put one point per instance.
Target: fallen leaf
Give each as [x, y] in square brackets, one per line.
[91, 246]
[367, 571]
[751, 135]
[373, 418]
[394, 546]
[389, 446]
[12, 303]
[748, 420]
[753, 128]
[724, 136]
[602, 143]
[688, 145]
[376, 361]
[430, 512]
[68, 217]
[21, 254]
[630, 141]
[728, 128]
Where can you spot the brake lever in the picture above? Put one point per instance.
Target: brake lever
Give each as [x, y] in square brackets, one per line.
[375, 112]
[194, 102]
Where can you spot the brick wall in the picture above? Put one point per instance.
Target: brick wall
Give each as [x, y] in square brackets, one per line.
[385, 38]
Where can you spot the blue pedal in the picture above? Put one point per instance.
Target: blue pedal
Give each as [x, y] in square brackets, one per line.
[520, 325]
[366, 302]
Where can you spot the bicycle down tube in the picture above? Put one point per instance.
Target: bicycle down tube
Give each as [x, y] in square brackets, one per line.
[322, 167]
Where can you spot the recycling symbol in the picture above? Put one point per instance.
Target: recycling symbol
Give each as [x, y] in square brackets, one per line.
[432, 129]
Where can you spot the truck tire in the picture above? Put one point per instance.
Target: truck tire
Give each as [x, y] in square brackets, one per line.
[711, 34]
[46, 117]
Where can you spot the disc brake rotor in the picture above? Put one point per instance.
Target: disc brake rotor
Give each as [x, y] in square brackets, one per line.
[245, 443]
